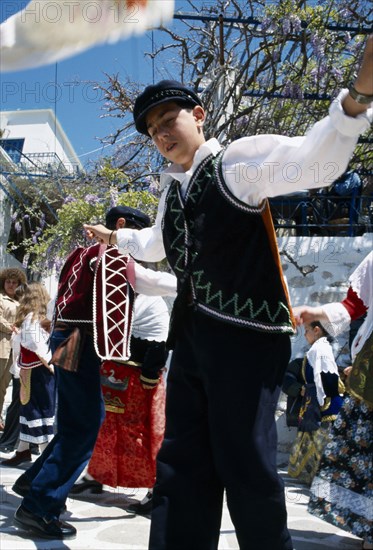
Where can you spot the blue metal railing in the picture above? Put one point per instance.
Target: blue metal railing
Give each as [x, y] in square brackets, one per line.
[323, 214]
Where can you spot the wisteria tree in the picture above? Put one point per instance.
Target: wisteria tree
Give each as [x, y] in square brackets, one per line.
[260, 67]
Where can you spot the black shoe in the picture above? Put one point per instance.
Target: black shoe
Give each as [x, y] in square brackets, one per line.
[53, 529]
[18, 458]
[4, 448]
[85, 484]
[141, 509]
[22, 486]
[34, 449]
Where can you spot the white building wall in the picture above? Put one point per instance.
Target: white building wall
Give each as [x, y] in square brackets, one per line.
[42, 133]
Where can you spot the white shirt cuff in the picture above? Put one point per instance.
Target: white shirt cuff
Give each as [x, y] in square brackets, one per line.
[338, 318]
[348, 125]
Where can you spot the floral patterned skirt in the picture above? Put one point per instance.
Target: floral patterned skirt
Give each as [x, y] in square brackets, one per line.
[342, 490]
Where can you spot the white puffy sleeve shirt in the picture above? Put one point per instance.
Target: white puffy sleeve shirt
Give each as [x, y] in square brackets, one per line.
[320, 357]
[154, 283]
[263, 166]
[361, 282]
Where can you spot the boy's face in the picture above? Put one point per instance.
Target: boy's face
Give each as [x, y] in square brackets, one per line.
[311, 333]
[176, 131]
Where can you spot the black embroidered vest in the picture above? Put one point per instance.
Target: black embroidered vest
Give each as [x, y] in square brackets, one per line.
[225, 252]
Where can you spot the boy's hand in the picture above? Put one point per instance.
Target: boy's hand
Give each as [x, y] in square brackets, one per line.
[347, 371]
[363, 83]
[307, 314]
[100, 232]
[46, 324]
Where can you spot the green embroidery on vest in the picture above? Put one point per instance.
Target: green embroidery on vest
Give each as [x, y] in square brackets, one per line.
[217, 301]
[239, 309]
[178, 242]
[199, 181]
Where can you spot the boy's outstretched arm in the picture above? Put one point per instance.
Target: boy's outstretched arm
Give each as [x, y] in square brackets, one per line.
[363, 85]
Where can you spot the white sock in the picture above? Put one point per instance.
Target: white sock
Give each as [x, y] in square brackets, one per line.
[23, 446]
[147, 497]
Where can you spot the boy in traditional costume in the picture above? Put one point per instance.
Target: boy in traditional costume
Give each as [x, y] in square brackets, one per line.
[231, 319]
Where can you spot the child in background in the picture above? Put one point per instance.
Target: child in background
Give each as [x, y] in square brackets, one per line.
[37, 393]
[320, 406]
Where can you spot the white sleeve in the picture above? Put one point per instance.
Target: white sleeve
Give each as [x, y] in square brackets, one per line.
[338, 318]
[16, 346]
[271, 165]
[50, 308]
[314, 361]
[154, 283]
[35, 338]
[144, 244]
[151, 318]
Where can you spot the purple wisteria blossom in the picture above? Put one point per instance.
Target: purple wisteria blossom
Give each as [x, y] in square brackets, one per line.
[286, 25]
[336, 72]
[268, 24]
[36, 236]
[13, 217]
[92, 199]
[58, 263]
[293, 90]
[318, 45]
[68, 199]
[113, 197]
[17, 227]
[296, 23]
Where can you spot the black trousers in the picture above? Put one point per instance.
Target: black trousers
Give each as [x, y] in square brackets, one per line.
[222, 392]
[10, 436]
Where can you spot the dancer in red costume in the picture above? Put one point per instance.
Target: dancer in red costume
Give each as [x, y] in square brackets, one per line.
[134, 395]
[95, 299]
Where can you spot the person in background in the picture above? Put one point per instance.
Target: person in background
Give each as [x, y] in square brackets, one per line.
[292, 387]
[92, 321]
[12, 281]
[231, 321]
[341, 492]
[37, 390]
[130, 436]
[322, 400]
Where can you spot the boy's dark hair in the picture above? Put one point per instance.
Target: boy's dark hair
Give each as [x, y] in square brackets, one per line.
[156, 94]
[135, 219]
[315, 324]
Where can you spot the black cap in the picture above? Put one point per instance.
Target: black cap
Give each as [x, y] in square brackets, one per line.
[165, 90]
[131, 215]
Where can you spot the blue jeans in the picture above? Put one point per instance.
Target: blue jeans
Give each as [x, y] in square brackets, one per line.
[80, 414]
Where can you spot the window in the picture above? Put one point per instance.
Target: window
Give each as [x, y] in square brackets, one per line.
[13, 147]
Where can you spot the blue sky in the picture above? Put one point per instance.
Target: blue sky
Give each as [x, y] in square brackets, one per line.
[68, 89]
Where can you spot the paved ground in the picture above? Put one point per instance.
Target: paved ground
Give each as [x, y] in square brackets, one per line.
[104, 524]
